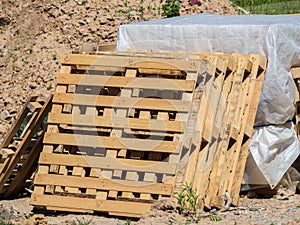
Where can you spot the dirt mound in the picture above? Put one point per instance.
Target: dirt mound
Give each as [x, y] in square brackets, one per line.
[34, 35]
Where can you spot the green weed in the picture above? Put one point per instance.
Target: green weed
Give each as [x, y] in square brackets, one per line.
[215, 218]
[54, 56]
[83, 222]
[30, 49]
[187, 199]
[171, 8]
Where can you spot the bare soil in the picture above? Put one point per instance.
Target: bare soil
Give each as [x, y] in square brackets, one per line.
[272, 210]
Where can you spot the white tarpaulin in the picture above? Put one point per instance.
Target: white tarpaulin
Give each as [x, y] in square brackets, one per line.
[274, 148]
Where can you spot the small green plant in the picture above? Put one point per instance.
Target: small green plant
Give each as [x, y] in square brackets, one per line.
[215, 218]
[171, 8]
[120, 12]
[50, 86]
[127, 222]
[83, 222]
[28, 215]
[30, 49]
[54, 56]
[187, 199]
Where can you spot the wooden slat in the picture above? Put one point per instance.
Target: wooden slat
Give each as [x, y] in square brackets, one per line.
[122, 102]
[26, 141]
[27, 169]
[132, 62]
[117, 122]
[90, 204]
[103, 184]
[112, 142]
[8, 138]
[127, 82]
[107, 163]
[295, 72]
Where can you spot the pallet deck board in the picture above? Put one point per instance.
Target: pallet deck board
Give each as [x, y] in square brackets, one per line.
[126, 82]
[122, 102]
[111, 142]
[104, 184]
[107, 163]
[117, 122]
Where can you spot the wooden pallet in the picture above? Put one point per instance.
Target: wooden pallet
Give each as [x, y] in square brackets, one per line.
[221, 155]
[19, 151]
[296, 76]
[120, 126]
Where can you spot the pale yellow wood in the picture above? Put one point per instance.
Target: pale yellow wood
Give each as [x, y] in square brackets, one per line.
[295, 72]
[101, 195]
[111, 142]
[131, 62]
[90, 204]
[122, 102]
[107, 163]
[33, 106]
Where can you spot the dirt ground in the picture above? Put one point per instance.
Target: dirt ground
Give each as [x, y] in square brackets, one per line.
[274, 210]
[33, 37]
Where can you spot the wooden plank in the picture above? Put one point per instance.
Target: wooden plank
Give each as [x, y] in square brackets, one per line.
[240, 161]
[28, 167]
[8, 138]
[107, 163]
[132, 62]
[194, 170]
[90, 204]
[103, 184]
[34, 105]
[295, 72]
[220, 161]
[208, 155]
[112, 142]
[127, 82]
[26, 141]
[122, 102]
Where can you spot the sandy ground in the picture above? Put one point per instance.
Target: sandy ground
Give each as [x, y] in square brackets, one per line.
[250, 211]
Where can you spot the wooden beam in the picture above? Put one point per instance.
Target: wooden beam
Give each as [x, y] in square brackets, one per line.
[103, 184]
[117, 122]
[90, 204]
[122, 102]
[111, 142]
[132, 62]
[107, 163]
[127, 82]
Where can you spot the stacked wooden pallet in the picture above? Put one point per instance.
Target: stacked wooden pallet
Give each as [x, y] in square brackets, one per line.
[130, 128]
[296, 76]
[119, 125]
[21, 147]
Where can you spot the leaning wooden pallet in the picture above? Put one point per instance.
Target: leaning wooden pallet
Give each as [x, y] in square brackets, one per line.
[202, 158]
[296, 76]
[221, 164]
[116, 131]
[21, 147]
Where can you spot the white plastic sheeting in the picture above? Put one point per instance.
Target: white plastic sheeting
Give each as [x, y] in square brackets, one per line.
[274, 148]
